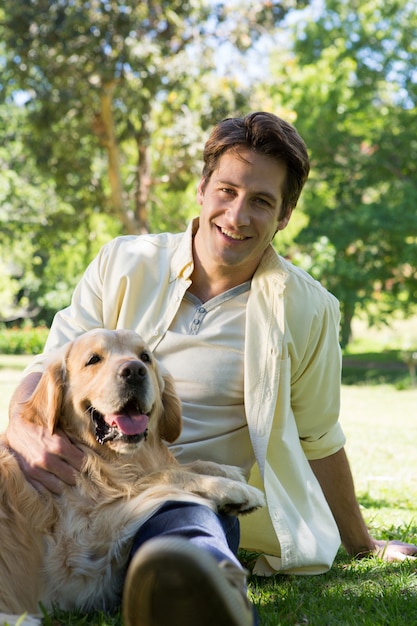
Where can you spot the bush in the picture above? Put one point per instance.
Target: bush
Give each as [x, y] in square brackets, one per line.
[25, 340]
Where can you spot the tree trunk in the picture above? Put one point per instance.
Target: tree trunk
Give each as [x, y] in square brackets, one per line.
[143, 177]
[135, 221]
[348, 311]
[104, 129]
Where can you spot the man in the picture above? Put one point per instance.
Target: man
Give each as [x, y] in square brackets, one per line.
[252, 343]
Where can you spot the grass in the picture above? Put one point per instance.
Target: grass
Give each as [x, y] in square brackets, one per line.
[381, 427]
[369, 594]
[381, 430]
[11, 367]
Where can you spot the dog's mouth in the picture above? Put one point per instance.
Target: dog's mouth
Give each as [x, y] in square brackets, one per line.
[128, 425]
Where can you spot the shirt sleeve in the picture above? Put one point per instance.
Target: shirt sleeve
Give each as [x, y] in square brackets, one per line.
[316, 381]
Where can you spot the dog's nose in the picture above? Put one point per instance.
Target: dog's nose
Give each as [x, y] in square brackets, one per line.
[132, 370]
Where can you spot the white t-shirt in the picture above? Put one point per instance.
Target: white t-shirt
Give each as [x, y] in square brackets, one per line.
[203, 349]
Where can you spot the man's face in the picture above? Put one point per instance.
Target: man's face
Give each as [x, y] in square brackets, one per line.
[240, 209]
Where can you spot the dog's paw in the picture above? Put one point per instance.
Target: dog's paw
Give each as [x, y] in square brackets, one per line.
[241, 499]
[233, 473]
[209, 468]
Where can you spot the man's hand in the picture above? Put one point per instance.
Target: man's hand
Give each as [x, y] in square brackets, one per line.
[392, 551]
[335, 478]
[47, 459]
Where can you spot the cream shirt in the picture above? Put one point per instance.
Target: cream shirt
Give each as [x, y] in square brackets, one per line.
[292, 366]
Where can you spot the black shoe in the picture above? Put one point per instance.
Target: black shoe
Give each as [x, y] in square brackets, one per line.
[171, 582]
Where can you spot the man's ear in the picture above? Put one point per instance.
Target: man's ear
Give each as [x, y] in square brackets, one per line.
[200, 191]
[283, 221]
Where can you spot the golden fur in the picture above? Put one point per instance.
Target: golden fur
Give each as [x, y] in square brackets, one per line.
[71, 550]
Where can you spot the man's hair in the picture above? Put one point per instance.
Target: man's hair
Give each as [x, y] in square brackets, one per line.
[266, 134]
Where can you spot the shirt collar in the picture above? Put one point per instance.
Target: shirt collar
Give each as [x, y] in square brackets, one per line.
[182, 261]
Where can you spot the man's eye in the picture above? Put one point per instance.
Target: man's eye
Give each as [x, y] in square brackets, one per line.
[94, 358]
[265, 204]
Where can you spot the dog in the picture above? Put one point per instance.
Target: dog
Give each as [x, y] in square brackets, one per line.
[107, 392]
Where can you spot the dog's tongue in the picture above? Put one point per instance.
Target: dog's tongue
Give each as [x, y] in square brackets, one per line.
[128, 423]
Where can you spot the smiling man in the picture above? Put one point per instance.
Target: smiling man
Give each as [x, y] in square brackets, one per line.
[241, 210]
[252, 343]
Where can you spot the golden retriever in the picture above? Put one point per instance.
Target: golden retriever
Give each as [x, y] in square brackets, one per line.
[107, 392]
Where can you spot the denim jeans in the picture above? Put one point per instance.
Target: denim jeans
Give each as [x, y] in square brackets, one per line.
[216, 533]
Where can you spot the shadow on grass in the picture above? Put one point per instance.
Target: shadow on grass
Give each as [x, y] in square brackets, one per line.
[353, 593]
[366, 592]
[357, 593]
[375, 368]
[368, 502]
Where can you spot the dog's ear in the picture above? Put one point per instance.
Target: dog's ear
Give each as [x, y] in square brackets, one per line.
[170, 423]
[44, 405]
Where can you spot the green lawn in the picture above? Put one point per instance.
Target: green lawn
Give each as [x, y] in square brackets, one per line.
[381, 427]
[11, 367]
[380, 422]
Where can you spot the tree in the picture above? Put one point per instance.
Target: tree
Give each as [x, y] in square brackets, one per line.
[114, 102]
[351, 79]
[45, 242]
[102, 69]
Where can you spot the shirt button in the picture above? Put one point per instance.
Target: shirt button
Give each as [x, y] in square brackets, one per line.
[196, 322]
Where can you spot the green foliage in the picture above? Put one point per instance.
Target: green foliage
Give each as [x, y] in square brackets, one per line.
[25, 340]
[45, 242]
[118, 99]
[96, 76]
[350, 87]
[105, 110]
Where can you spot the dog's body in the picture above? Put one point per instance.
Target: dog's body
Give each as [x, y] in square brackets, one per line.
[106, 392]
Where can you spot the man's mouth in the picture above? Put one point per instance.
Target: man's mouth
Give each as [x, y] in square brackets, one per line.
[232, 235]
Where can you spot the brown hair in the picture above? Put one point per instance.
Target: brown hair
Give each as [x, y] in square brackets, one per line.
[266, 134]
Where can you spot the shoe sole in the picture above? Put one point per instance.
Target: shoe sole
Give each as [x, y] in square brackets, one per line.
[159, 600]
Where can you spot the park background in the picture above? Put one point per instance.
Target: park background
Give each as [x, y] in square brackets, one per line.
[104, 110]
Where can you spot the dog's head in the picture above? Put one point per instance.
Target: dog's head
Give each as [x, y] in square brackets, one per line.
[106, 389]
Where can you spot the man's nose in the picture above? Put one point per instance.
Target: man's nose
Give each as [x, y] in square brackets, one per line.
[238, 211]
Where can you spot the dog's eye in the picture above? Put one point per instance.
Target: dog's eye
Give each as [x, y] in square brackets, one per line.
[145, 357]
[94, 358]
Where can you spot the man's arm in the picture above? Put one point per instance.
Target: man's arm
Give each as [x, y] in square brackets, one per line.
[335, 478]
[47, 459]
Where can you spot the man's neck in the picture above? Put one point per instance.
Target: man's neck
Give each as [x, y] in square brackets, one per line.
[210, 279]
[206, 291]
[207, 285]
